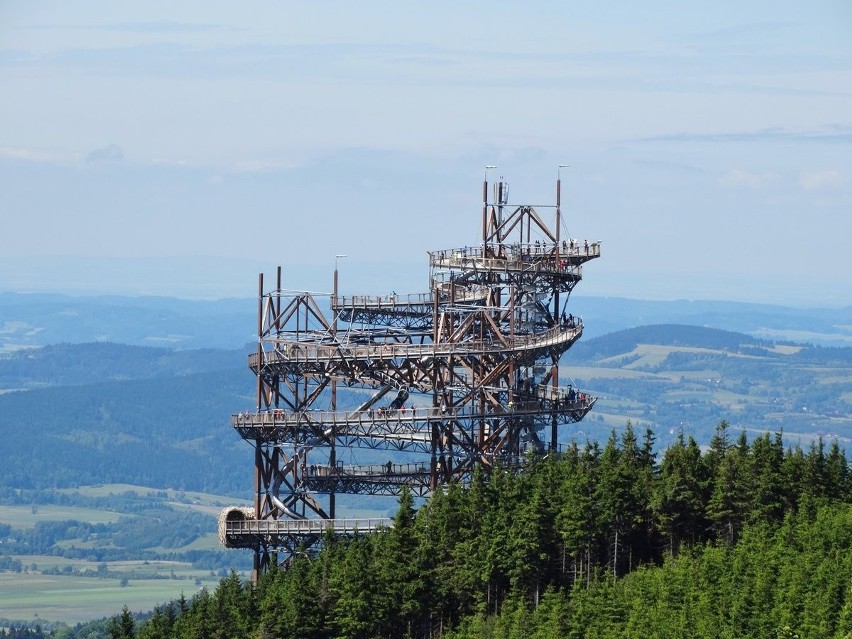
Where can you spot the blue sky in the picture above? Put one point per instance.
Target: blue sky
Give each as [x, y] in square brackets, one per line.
[181, 148]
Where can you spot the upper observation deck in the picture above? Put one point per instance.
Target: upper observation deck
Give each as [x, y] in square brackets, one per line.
[562, 260]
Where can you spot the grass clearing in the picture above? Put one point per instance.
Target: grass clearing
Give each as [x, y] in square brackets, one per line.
[601, 372]
[35, 596]
[181, 496]
[689, 395]
[25, 517]
[208, 541]
[73, 599]
[211, 510]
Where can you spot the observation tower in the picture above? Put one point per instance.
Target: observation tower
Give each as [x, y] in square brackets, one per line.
[461, 376]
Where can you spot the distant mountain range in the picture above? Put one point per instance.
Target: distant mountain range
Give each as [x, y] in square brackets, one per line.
[105, 412]
[28, 320]
[824, 326]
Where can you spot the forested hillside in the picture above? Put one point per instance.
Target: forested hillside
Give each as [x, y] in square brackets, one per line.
[161, 433]
[747, 539]
[79, 364]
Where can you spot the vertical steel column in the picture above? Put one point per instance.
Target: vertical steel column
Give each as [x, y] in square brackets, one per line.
[258, 457]
[554, 371]
[485, 211]
[332, 455]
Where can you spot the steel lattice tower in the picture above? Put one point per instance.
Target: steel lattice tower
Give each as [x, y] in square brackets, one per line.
[462, 376]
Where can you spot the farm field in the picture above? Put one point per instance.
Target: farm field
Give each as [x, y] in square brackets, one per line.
[184, 496]
[84, 573]
[28, 516]
[74, 599]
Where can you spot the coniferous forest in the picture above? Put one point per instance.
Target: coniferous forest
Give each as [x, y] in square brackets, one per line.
[744, 539]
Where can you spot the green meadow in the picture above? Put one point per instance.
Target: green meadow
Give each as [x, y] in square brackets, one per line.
[74, 599]
[61, 586]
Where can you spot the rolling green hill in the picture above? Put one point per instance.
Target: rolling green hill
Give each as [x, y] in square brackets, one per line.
[114, 413]
[88, 363]
[672, 377]
[165, 433]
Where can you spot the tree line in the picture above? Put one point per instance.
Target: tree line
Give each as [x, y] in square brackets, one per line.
[743, 539]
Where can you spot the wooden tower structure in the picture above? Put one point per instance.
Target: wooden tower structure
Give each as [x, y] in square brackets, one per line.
[462, 376]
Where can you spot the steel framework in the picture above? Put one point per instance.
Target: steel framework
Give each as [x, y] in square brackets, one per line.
[463, 376]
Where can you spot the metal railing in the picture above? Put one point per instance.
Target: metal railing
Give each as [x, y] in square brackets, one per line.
[402, 301]
[371, 470]
[382, 301]
[550, 257]
[279, 527]
[566, 399]
[297, 352]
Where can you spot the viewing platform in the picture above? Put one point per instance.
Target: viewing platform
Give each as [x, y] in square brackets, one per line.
[419, 302]
[560, 260]
[237, 531]
[410, 309]
[411, 428]
[558, 338]
[374, 479]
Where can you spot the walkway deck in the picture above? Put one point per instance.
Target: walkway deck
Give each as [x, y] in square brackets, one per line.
[563, 260]
[303, 351]
[400, 429]
[252, 533]
[407, 302]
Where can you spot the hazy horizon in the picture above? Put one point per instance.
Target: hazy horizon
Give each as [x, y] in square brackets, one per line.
[181, 148]
[212, 279]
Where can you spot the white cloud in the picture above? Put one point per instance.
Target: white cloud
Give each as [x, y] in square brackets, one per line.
[743, 179]
[817, 180]
[29, 155]
[109, 153]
